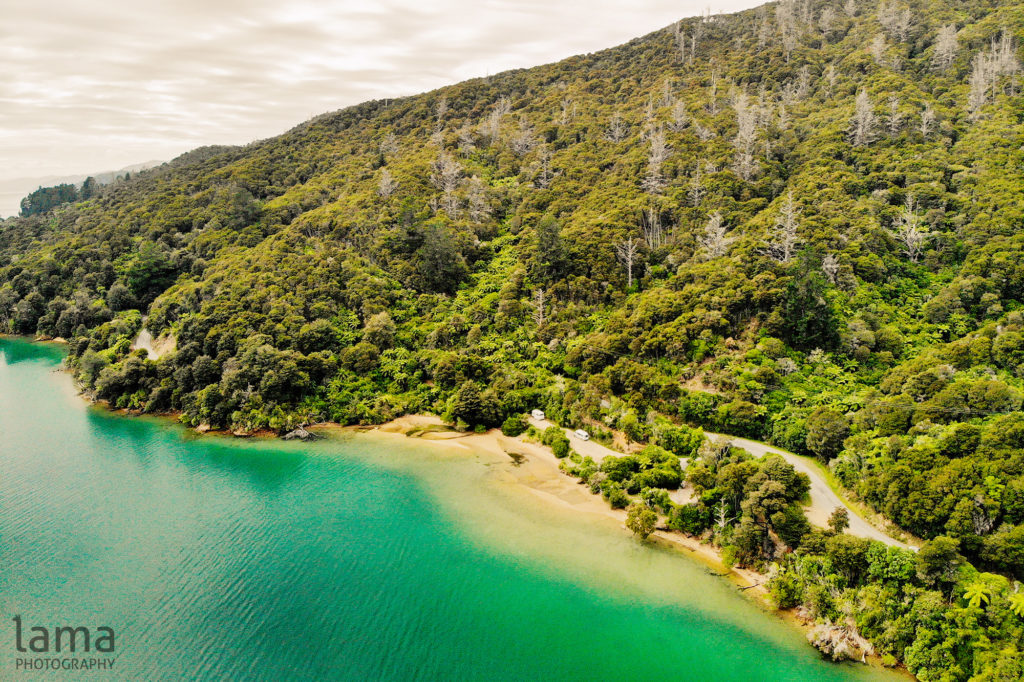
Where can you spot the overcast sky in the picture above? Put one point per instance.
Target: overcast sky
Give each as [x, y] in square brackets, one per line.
[98, 85]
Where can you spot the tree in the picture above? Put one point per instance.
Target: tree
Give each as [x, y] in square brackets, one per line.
[524, 140]
[808, 319]
[746, 136]
[380, 330]
[550, 256]
[650, 225]
[479, 208]
[927, 120]
[839, 520]
[440, 264]
[386, 185]
[826, 431]
[491, 126]
[908, 230]
[938, 561]
[445, 174]
[946, 48]
[978, 594]
[862, 125]
[627, 251]
[654, 181]
[783, 240]
[616, 130]
[641, 519]
[894, 122]
[119, 297]
[715, 241]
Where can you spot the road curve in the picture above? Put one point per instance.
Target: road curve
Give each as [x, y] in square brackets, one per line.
[823, 499]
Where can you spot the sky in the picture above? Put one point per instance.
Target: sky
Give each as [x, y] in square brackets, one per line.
[99, 85]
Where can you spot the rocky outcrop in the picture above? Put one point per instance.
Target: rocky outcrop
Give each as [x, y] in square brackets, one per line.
[299, 434]
[840, 643]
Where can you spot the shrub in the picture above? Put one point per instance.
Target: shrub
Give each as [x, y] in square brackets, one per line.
[514, 425]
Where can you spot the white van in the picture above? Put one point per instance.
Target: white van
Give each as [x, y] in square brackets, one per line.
[581, 434]
[537, 414]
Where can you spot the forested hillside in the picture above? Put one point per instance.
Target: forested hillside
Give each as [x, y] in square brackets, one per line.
[801, 223]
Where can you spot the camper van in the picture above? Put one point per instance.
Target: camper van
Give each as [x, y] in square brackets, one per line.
[581, 434]
[537, 414]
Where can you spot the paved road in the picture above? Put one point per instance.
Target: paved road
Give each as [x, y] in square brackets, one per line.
[823, 499]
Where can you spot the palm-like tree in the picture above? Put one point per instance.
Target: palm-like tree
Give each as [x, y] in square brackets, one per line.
[1017, 603]
[978, 593]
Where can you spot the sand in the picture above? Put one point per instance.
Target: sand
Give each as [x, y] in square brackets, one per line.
[534, 467]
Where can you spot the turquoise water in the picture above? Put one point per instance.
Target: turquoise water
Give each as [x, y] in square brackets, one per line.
[219, 559]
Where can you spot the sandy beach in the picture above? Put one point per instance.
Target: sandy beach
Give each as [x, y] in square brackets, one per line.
[534, 467]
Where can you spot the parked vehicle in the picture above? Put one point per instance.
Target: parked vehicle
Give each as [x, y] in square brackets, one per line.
[581, 434]
[537, 414]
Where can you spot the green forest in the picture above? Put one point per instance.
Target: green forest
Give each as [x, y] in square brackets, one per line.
[800, 224]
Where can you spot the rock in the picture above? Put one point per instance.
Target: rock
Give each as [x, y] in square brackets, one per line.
[203, 428]
[299, 433]
[839, 643]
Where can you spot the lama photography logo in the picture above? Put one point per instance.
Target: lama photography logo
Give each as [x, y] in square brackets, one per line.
[62, 647]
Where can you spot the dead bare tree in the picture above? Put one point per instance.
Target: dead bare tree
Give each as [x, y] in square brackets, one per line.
[491, 126]
[680, 117]
[927, 120]
[877, 49]
[650, 225]
[616, 130]
[909, 232]
[386, 185]
[946, 48]
[785, 18]
[466, 141]
[445, 173]
[695, 190]
[715, 241]
[746, 136]
[830, 266]
[538, 307]
[627, 252]
[524, 140]
[862, 125]
[894, 122]
[783, 239]
[389, 145]
[680, 39]
[440, 110]
[544, 175]
[479, 208]
[654, 181]
[568, 111]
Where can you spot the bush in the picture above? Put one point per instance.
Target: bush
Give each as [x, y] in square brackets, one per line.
[615, 495]
[785, 590]
[690, 518]
[514, 425]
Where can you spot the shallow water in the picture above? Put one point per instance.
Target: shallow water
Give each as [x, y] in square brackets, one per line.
[357, 558]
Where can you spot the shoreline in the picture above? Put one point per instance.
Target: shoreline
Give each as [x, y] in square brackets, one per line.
[535, 469]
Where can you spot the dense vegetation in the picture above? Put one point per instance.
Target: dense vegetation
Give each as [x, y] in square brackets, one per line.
[800, 223]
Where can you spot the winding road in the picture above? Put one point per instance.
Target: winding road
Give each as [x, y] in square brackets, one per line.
[823, 500]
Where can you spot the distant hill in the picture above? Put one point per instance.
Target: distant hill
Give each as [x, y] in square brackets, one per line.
[13, 190]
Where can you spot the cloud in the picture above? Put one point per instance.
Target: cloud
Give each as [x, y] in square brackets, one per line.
[97, 85]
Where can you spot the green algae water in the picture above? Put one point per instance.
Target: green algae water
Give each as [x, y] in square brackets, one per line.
[353, 558]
